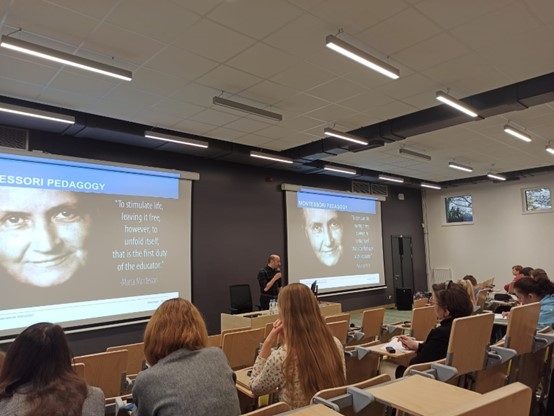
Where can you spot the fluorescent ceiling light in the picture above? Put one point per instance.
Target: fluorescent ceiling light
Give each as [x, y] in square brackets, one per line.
[346, 49]
[517, 133]
[267, 156]
[412, 153]
[496, 176]
[175, 139]
[64, 58]
[460, 167]
[391, 178]
[246, 108]
[340, 169]
[344, 136]
[550, 149]
[455, 103]
[430, 185]
[30, 112]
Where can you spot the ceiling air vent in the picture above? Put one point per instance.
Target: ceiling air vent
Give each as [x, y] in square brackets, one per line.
[379, 189]
[14, 138]
[361, 187]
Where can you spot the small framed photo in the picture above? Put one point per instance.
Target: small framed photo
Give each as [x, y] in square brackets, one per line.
[537, 200]
[458, 210]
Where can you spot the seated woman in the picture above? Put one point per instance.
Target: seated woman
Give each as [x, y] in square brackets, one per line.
[37, 377]
[451, 301]
[469, 288]
[539, 289]
[185, 378]
[309, 358]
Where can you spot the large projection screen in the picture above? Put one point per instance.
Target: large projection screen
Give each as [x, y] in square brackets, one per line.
[335, 239]
[85, 243]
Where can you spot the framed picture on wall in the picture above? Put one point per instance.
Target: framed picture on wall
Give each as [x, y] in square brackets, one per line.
[537, 200]
[458, 209]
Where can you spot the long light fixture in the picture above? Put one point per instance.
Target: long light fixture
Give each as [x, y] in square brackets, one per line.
[224, 102]
[30, 112]
[430, 185]
[550, 149]
[346, 49]
[175, 139]
[64, 58]
[496, 176]
[344, 136]
[415, 154]
[517, 133]
[391, 178]
[460, 167]
[338, 169]
[455, 103]
[267, 156]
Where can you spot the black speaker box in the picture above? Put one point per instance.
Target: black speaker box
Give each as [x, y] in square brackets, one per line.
[404, 299]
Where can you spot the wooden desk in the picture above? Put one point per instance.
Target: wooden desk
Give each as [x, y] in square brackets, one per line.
[243, 381]
[421, 396]
[380, 349]
[313, 410]
[259, 319]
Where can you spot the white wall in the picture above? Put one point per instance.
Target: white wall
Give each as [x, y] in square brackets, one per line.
[501, 234]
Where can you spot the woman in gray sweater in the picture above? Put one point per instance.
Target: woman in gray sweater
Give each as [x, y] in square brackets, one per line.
[185, 378]
[37, 377]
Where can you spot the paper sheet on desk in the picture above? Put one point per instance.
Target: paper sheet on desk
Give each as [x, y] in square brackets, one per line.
[396, 344]
[499, 317]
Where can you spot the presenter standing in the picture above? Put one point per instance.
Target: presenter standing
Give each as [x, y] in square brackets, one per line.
[269, 279]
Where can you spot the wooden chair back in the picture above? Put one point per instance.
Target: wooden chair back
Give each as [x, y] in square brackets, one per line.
[268, 328]
[79, 369]
[358, 370]
[240, 347]
[372, 322]
[423, 321]
[136, 361]
[511, 400]
[421, 302]
[339, 329]
[469, 341]
[228, 331]
[344, 316]
[271, 410]
[522, 327]
[374, 409]
[214, 340]
[105, 370]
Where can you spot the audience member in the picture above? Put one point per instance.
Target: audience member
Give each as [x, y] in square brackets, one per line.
[185, 378]
[516, 272]
[471, 279]
[541, 289]
[451, 301]
[469, 288]
[309, 358]
[37, 377]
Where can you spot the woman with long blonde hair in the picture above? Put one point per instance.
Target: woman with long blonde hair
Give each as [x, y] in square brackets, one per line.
[309, 358]
[186, 377]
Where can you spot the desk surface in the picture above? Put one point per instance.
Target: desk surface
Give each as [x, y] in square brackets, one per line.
[313, 410]
[420, 396]
[243, 381]
[259, 319]
[380, 349]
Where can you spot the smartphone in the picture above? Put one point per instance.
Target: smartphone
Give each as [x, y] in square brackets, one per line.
[390, 350]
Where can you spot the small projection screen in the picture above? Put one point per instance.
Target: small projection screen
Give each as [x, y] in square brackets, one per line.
[85, 243]
[334, 238]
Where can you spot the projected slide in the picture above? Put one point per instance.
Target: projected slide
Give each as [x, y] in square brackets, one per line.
[334, 238]
[84, 243]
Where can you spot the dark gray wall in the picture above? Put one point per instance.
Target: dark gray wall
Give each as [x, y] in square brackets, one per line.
[238, 219]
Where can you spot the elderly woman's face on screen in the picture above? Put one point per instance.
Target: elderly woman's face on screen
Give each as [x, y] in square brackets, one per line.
[324, 231]
[42, 235]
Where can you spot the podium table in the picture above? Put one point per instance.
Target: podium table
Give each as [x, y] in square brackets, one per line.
[259, 319]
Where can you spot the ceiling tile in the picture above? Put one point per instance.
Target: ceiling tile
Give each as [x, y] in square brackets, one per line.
[263, 60]
[211, 116]
[336, 90]
[303, 76]
[268, 92]
[229, 80]
[180, 64]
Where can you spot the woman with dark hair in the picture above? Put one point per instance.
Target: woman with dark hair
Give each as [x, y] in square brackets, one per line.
[185, 378]
[451, 301]
[537, 289]
[37, 377]
[309, 358]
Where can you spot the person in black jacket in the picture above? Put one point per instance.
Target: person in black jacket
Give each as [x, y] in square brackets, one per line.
[451, 301]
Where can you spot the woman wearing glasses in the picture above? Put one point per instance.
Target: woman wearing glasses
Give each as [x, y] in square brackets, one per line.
[451, 301]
